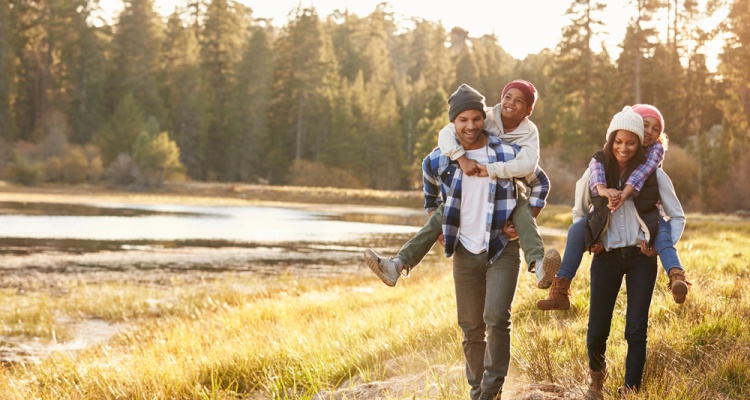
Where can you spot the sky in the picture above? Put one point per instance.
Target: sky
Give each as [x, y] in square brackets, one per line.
[523, 27]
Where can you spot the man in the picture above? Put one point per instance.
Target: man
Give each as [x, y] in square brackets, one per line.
[486, 262]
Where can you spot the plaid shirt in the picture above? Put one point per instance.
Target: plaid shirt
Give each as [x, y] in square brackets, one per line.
[654, 157]
[442, 183]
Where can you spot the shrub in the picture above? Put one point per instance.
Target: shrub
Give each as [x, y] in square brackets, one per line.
[309, 173]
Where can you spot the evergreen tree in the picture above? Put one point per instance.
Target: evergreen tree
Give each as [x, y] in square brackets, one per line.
[222, 39]
[575, 120]
[7, 84]
[119, 134]
[495, 68]
[86, 74]
[303, 91]
[184, 94]
[249, 115]
[136, 50]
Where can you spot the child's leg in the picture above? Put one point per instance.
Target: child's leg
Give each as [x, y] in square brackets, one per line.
[528, 232]
[575, 246]
[678, 283]
[559, 294]
[664, 246]
[390, 269]
[544, 265]
[417, 247]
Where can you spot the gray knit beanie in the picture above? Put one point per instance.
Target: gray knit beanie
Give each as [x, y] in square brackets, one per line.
[466, 98]
[628, 120]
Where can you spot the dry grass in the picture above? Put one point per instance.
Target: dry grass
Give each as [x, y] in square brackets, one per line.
[293, 337]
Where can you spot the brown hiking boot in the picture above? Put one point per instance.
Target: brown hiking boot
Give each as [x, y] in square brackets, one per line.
[596, 386]
[678, 285]
[558, 297]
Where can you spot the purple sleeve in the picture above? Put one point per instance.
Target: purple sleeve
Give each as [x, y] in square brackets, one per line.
[597, 176]
[654, 157]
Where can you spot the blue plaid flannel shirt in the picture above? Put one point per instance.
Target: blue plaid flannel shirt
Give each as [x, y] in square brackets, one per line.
[654, 157]
[442, 183]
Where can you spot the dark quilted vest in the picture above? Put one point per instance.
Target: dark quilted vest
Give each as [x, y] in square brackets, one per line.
[645, 205]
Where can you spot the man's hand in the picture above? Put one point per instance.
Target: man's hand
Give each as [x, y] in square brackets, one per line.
[648, 251]
[597, 248]
[510, 230]
[469, 166]
[441, 239]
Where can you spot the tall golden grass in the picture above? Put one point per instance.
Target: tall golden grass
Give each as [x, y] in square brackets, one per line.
[295, 337]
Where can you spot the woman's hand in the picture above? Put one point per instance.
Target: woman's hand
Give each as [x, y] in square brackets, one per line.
[597, 248]
[648, 251]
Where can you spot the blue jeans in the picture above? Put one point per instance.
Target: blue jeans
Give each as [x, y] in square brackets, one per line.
[575, 246]
[484, 294]
[607, 271]
[664, 246]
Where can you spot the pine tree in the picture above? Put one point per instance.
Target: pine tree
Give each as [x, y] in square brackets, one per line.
[184, 94]
[119, 134]
[7, 84]
[223, 35]
[575, 120]
[249, 114]
[136, 49]
[305, 74]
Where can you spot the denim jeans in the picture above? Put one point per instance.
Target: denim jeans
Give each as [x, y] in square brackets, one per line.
[575, 246]
[664, 246]
[484, 294]
[414, 250]
[607, 271]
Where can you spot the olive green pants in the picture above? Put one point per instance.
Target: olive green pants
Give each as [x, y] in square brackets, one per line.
[523, 219]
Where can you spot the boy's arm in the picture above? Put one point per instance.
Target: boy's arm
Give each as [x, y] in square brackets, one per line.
[654, 157]
[540, 185]
[431, 184]
[450, 147]
[525, 162]
[448, 143]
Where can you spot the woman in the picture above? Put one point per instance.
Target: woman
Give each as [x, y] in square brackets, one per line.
[624, 249]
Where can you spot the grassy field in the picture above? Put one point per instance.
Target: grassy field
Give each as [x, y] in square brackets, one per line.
[244, 337]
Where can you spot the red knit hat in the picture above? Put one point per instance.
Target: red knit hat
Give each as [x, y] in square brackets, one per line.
[647, 110]
[528, 90]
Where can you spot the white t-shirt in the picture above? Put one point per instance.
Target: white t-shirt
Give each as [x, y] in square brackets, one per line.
[474, 205]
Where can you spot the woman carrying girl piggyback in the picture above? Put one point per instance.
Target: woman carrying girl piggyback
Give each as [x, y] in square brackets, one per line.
[580, 239]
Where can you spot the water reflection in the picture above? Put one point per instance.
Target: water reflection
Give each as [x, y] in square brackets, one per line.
[109, 227]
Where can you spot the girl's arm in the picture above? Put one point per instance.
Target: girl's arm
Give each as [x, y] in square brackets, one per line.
[598, 182]
[654, 157]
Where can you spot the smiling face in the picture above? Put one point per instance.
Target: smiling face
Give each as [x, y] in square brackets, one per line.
[625, 146]
[470, 129]
[514, 108]
[651, 130]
